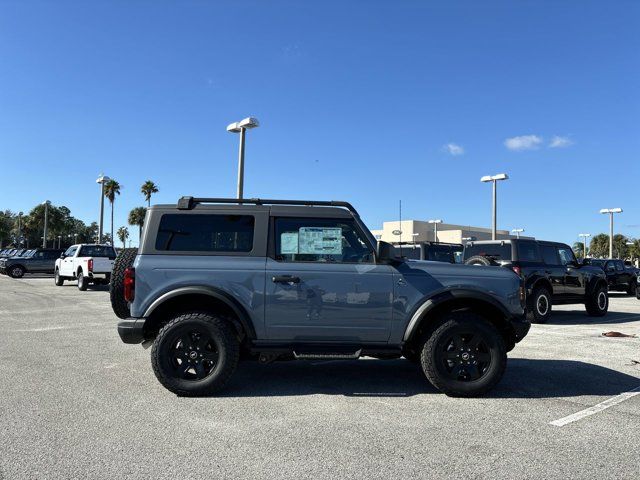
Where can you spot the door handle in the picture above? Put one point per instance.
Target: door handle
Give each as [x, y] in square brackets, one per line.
[285, 279]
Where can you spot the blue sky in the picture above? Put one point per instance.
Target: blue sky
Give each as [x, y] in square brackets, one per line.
[365, 101]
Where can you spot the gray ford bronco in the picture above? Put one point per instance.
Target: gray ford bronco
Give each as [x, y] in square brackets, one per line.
[219, 280]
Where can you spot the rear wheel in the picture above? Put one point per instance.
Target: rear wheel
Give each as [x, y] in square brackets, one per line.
[539, 309]
[123, 261]
[465, 356]
[597, 303]
[83, 282]
[17, 271]
[58, 279]
[195, 354]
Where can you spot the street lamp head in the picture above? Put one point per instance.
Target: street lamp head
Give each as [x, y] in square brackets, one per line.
[492, 178]
[517, 230]
[46, 202]
[102, 179]
[584, 234]
[247, 123]
[435, 221]
[611, 210]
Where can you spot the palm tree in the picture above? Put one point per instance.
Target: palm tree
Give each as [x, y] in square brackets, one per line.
[136, 217]
[148, 188]
[123, 234]
[111, 189]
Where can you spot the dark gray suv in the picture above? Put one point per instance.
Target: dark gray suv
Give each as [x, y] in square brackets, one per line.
[216, 280]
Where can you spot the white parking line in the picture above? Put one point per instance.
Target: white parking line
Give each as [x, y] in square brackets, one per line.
[596, 408]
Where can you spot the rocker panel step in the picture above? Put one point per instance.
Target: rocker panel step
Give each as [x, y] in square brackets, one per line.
[327, 355]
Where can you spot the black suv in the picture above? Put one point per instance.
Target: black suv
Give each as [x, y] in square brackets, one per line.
[433, 251]
[620, 277]
[551, 273]
[38, 260]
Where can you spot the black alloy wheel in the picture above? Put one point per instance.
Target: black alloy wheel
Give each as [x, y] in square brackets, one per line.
[192, 354]
[465, 357]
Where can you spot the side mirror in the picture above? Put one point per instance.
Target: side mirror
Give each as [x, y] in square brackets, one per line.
[62, 255]
[385, 252]
[574, 264]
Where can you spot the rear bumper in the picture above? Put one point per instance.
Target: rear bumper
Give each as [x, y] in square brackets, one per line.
[131, 330]
[520, 326]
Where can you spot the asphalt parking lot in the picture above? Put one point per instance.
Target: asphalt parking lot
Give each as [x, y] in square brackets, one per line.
[77, 403]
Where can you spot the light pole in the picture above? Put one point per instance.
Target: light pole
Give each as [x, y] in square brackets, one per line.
[517, 231]
[611, 211]
[241, 127]
[102, 179]
[59, 241]
[435, 228]
[584, 237]
[20, 228]
[630, 244]
[494, 179]
[46, 204]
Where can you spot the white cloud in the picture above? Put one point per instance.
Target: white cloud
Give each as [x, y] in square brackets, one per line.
[523, 142]
[453, 149]
[560, 142]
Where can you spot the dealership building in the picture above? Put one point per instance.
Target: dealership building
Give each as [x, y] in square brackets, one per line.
[415, 231]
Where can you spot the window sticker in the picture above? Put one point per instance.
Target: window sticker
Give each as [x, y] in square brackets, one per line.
[320, 241]
[289, 243]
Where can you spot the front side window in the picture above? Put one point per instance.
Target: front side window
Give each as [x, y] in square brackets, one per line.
[320, 240]
[205, 233]
[439, 253]
[566, 256]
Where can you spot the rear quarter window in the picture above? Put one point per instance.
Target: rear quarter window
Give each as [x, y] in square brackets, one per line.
[495, 250]
[528, 252]
[205, 233]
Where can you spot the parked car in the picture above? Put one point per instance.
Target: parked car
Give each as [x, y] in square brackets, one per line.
[278, 279]
[434, 251]
[86, 263]
[39, 260]
[551, 273]
[620, 277]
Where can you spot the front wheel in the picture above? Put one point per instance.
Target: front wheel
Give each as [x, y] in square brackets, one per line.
[539, 309]
[58, 279]
[195, 354]
[16, 272]
[597, 303]
[465, 356]
[632, 288]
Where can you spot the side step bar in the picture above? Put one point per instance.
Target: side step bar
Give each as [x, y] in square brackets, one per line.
[327, 356]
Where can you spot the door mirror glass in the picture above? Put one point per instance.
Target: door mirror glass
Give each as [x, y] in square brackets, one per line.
[62, 255]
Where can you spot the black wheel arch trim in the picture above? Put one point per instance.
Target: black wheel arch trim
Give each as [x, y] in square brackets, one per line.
[428, 304]
[213, 292]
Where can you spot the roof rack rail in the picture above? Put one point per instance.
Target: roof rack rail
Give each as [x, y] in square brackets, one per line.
[188, 203]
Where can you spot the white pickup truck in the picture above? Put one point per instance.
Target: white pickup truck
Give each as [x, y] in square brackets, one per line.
[87, 263]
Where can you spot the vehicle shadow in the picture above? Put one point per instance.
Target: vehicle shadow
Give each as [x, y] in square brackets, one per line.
[565, 317]
[524, 378]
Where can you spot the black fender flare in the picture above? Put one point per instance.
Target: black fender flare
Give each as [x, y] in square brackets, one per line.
[594, 282]
[213, 292]
[427, 304]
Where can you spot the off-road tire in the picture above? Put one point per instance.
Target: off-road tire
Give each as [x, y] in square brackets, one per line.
[58, 279]
[539, 308]
[631, 290]
[471, 325]
[123, 261]
[597, 305]
[222, 337]
[480, 260]
[17, 271]
[83, 282]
